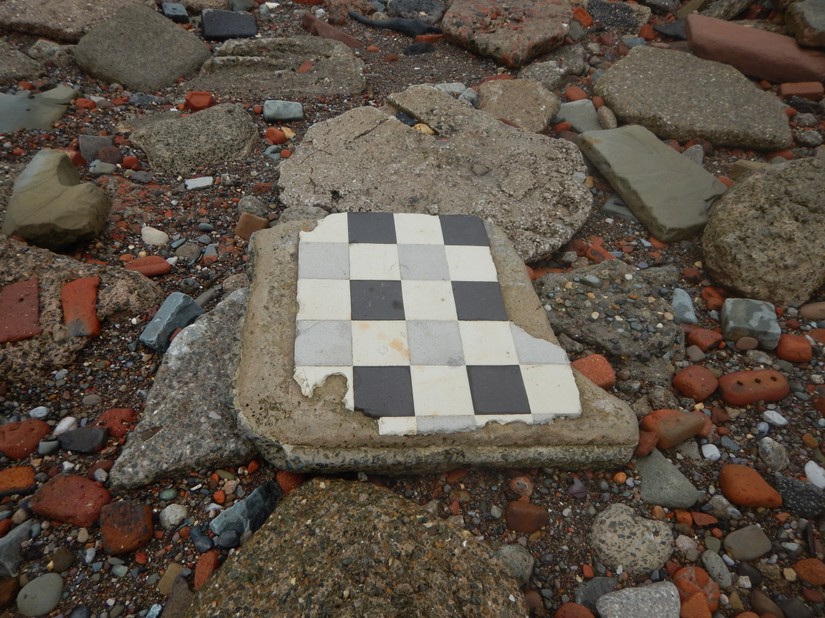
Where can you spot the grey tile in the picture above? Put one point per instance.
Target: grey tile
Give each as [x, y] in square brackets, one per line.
[383, 391]
[322, 260]
[433, 424]
[498, 389]
[423, 262]
[463, 230]
[371, 227]
[323, 342]
[479, 300]
[434, 342]
[376, 300]
[534, 351]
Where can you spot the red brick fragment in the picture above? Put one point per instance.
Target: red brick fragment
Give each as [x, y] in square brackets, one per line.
[743, 387]
[525, 517]
[806, 90]
[198, 100]
[17, 480]
[647, 442]
[119, 421]
[305, 67]
[714, 297]
[79, 301]
[597, 369]
[20, 310]
[206, 565]
[70, 499]
[573, 610]
[704, 338]
[696, 382]
[83, 103]
[151, 266]
[582, 16]
[18, 440]
[794, 349]
[692, 579]
[289, 481]
[672, 426]
[695, 606]
[744, 486]
[811, 570]
[275, 136]
[125, 526]
[574, 93]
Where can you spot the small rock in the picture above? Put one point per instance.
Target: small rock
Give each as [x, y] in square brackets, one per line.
[125, 526]
[285, 111]
[517, 562]
[525, 517]
[654, 601]
[172, 516]
[41, 595]
[744, 486]
[717, 569]
[622, 538]
[748, 543]
[815, 474]
[153, 236]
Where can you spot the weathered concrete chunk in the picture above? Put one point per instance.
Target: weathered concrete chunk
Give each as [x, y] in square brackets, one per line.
[521, 102]
[41, 111]
[766, 236]
[623, 17]
[806, 21]
[319, 433]
[693, 98]
[50, 207]
[338, 556]
[366, 160]
[141, 49]
[744, 317]
[181, 145]
[725, 9]
[177, 311]
[188, 420]
[262, 67]
[15, 65]
[60, 20]
[757, 53]
[669, 193]
[659, 600]
[620, 537]
[512, 33]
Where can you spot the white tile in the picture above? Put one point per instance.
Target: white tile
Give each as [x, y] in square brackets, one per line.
[434, 342]
[446, 424]
[551, 390]
[320, 299]
[488, 343]
[441, 391]
[534, 351]
[380, 342]
[413, 229]
[397, 426]
[470, 263]
[309, 378]
[332, 228]
[323, 260]
[483, 419]
[428, 300]
[374, 262]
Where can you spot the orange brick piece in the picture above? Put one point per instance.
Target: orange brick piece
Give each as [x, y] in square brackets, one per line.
[794, 349]
[672, 426]
[79, 301]
[811, 570]
[692, 579]
[248, 224]
[18, 440]
[696, 382]
[151, 266]
[806, 90]
[743, 387]
[17, 480]
[597, 369]
[19, 311]
[744, 486]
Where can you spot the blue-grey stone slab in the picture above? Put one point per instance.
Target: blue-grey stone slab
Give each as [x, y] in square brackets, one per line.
[581, 114]
[40, 111]
[275, 110]
[220, 25]
[10, 556]
[683, 310]
[176, 12]
[250, 513]
[669, 193]
[744, 317]
[178, 311]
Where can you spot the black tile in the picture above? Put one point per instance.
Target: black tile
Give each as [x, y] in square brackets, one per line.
[383, 391]
[220, 25]
[463, 230]
[376, 300]
[371, 227]
[479, 300]
[497, 389]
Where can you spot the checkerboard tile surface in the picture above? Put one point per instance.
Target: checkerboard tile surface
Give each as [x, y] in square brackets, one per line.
[408, 308]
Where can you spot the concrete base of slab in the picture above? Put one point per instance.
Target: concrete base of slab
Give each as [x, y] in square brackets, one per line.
[319, 434]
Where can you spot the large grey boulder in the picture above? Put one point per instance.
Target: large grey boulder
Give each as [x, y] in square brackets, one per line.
[180, 145]
[41, 111]
[360, 551]
[766, 236]
[60, 20]
[140, 49]
[51, 208]
[668, 193]
[15, 65]
[188, 421]
[367, 160]
[639, 545]
[693, 98]
[263, 68]
[806, 21]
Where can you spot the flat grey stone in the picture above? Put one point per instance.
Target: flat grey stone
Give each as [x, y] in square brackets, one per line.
[181, 145]
[339, 536]
[517, 561]
[10, 556]
[766, 236]
[188, 420]
[801, 498]
[522, 102]
[653, 601]
[693, 98]
[621, 538]
[249, 513]
[806, 21]
[141, 49]
[581, 114]
[321, 434]
[668, 193]
[748, 543]
[717, 569]
[589, 592]
[51, 208]
[683, 309]
[90, 145]
[175, 11]
[177, 311]
[282, 110]
[41, 111]
[60, 20]
[253, 67]
[41, 595]
[220, 25]
[664, 484]
[367, 160]
[84, 439]
[15, 65]
[744, 317]
[774, 454]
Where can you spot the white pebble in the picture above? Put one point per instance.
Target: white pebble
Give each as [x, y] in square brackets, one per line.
[66, 424]
[40, 412]
[774, 418]
[154, 236]
[198, 183]
[815, 474]
[711, 452]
